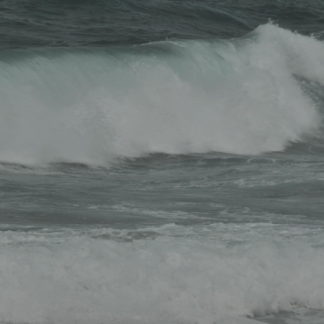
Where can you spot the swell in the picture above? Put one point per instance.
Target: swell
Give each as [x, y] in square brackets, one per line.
[100, 22]
[90, 106]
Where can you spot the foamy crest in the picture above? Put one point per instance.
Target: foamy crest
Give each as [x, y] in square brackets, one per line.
[237, 96]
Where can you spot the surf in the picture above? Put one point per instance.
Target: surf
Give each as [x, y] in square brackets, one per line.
[122, 281]
[241, 96]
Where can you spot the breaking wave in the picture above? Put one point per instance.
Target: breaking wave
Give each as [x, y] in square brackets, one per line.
[242, 96]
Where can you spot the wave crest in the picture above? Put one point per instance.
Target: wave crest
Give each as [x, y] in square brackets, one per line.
[90, 106]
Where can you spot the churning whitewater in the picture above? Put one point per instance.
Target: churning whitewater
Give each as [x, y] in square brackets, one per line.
[242, 96]
[161, 162]
[71, 278]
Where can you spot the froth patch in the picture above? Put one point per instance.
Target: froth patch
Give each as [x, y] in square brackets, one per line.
[81, 279]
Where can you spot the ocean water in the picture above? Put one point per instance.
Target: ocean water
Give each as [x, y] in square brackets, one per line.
[161, 162]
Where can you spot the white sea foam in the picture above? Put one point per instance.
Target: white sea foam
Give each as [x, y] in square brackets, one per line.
[238, 96]
[77, 278]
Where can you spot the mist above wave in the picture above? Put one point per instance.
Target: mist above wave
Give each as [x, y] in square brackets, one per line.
[90, 106]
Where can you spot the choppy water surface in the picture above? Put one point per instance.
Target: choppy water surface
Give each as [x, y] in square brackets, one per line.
[161, 162]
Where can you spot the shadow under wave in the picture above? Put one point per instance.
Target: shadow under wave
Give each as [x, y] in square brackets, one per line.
[300, 315]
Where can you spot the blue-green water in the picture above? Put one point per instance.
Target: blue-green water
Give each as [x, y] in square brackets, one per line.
[161, 162]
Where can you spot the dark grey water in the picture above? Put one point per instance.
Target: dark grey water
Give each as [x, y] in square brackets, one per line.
[161, 162]
[101, 23]
[152, 191]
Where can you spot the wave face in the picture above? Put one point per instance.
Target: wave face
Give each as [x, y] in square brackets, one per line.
[242, 96]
